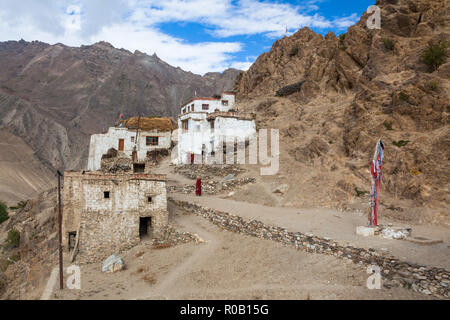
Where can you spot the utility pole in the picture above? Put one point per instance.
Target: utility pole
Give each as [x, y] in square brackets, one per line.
[61, 274]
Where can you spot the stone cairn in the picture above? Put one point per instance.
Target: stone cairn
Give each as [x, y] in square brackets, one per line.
[425, 279]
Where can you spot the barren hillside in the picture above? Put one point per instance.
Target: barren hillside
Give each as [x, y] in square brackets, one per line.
[333, 97]
[54, 97]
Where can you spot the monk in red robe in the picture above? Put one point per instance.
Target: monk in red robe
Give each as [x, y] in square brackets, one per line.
[198, 187]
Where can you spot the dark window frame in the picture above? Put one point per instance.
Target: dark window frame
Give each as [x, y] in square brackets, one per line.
[151, 140]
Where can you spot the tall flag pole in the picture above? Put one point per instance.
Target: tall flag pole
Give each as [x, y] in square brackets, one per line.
[375, 171]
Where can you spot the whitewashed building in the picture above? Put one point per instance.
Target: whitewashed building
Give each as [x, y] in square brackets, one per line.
[137, 135]
[205, 123]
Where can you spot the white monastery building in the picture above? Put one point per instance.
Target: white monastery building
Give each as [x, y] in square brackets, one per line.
[205, 123]
[134, 137]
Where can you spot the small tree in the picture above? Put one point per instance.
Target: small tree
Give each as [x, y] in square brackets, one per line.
[3, 212]
[435, 54]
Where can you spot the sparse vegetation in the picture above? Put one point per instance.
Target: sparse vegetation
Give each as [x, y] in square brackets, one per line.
[433, 85]
[403, 96]
[387, 125]
[13, 239]
[359, 193]
[293, 51]
[149, 279]
[19, 205]
[162, 245]
[3, 212]
[400, 143]
[342, 45]
[388, 43]
[435, 54]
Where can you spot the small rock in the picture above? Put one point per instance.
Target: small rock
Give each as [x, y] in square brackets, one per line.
[281, 189]
[112, 264]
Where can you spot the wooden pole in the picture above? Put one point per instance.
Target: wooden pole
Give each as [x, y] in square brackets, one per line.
[61, 274]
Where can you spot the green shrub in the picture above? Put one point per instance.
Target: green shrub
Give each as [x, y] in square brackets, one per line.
[388, 43]
[13, 239]
[400, 143]
[403, 96]
[387, 125]
[360, 193]
[435, 55]
[3, 212]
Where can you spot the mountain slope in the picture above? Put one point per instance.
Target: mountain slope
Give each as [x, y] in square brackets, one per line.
[351, 91]
[54, 96]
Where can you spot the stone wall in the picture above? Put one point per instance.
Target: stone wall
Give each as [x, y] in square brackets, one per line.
[108, 225]
[426, 279]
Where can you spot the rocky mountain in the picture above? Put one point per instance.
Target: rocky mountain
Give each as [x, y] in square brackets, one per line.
[54, 97]
[333, 97]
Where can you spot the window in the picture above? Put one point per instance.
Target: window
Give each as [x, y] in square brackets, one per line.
[212, 125]
[225, 102]
[185, 124]
[132, 139]
[72, 236]
[106, 194]
[151, 141]
[205, 106]
[149, 199]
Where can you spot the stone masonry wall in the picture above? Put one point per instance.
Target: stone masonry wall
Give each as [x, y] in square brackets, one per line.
[428, 280]
[110, 225]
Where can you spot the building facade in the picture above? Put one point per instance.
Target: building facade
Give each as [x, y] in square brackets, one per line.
[206, 123]
[106, 213]
[138, 134]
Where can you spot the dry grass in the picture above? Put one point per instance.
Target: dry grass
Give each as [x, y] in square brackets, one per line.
[149, 279]
[163, 245]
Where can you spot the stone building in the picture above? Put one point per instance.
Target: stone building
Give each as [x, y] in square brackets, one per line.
[105, 213]
[135, 137]
[205, 123]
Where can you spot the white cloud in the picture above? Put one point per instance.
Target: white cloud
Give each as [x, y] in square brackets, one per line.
[134, 25]
[201, 58]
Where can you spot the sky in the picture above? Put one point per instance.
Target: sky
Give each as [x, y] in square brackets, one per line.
[196, 35]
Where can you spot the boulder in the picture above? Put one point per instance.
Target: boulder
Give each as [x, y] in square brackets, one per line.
[112, 264]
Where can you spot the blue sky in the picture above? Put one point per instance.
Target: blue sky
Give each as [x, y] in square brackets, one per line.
[197, 35]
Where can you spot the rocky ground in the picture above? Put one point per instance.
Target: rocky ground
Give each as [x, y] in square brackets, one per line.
[228, 265]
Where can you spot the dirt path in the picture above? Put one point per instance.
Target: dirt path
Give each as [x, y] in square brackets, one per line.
[337, 225]
[204, 251]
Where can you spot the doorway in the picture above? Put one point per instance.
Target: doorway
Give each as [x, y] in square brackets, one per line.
[145, 227]
[121, 144]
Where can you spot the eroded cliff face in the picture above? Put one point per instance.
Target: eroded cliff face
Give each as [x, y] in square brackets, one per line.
[356, 88]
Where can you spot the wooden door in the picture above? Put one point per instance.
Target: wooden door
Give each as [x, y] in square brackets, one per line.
[121, 144]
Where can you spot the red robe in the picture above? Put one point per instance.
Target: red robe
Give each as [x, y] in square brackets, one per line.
[198, 187]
